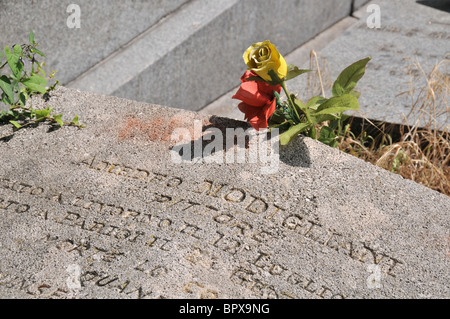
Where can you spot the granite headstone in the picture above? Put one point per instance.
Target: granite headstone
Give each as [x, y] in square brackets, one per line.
[108, 212]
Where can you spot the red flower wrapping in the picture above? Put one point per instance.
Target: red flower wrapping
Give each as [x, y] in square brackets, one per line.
[258, 100]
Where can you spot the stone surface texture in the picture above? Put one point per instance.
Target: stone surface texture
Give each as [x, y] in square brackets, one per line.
[104, 212]
[105, 26]
[195, 55]
[359, 3]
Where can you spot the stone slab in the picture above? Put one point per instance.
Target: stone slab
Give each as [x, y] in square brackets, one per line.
[105, 212]
[359, 3]
[410, 33]
[104, 28]
[195, 55]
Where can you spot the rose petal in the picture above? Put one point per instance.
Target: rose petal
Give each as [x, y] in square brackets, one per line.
[247, 74]
[248, 110]
[270, 108]
[258, 116]
[251, 94]
[262, 57]
[262, 86]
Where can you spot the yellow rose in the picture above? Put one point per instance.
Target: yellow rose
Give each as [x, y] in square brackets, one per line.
[262, 57]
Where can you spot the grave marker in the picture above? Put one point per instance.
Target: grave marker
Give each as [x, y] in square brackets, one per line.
[103, 212]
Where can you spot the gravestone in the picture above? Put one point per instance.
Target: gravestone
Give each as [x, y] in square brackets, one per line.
[108, 211]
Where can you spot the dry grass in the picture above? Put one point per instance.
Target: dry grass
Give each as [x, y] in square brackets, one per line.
[421, 154]
[320, 79]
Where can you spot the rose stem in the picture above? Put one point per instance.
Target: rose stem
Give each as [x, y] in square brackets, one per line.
[313, 129]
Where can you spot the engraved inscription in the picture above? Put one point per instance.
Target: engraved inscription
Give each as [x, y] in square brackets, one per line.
[359, 251]
[243, 227]
[134, 173]
[252, 280]
[83, 222]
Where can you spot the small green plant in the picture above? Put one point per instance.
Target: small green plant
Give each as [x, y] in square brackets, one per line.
[27, 79]
[321, 118]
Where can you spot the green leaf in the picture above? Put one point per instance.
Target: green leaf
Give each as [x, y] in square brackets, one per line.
[294, 71]
[75, 120]
[301, 106]
[58, 119]
[256, 79]
[276, 118]
[293, 132]
[36, 83]
[5, 99]
[317, 119]
[355, 93]
[31, 37]
[35, 87]
[42, 72]
[284, 126]
[315, 102]
[338, 104]
[34, 50]
[6, 113]
[7, 88]
[22, 98]
[14, 60]
[275, 78]
[15, 84]
[17, 125]
[42, 113]
[327, 136]
[3, 113]
[37, 79]
[348, 79]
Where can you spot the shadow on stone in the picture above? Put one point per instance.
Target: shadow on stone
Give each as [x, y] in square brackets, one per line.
[220, 130]
[6, 138]
[296, 153]
[216, 134]
[443, 5]
[221, 134]
[52, 127]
